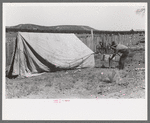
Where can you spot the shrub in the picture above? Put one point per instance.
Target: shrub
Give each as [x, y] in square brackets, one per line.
[111, 76]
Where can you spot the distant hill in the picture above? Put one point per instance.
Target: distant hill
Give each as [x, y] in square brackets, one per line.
[33, 27]
[60, 29]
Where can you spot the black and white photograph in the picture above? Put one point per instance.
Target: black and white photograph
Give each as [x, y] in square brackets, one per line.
[64, 52]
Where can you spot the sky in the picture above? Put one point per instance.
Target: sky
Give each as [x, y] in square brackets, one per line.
[101, 16]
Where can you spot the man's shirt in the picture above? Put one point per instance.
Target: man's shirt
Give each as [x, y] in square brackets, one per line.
[120, 48]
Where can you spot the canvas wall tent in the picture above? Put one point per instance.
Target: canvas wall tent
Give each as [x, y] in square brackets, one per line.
[44, 52]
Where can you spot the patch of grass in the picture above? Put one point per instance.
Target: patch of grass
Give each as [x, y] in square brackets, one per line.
[18, 90]
[63, 83]
[136, 57]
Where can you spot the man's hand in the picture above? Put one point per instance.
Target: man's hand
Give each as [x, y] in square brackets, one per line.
[112, 47]
[119, 54]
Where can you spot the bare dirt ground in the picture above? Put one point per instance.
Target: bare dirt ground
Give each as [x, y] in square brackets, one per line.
[88, 83]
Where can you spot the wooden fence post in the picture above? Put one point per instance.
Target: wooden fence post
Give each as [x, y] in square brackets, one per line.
[92, 34]
[92, 39]
[7, 53]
